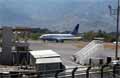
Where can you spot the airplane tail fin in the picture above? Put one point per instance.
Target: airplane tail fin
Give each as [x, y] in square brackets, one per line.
[75, 31]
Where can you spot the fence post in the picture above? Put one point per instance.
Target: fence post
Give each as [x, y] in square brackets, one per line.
[73, 72]
[56, 74]
[102, 68]
[87, 71]
[114, 70]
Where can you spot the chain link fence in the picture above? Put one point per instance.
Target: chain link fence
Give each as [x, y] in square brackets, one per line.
[108, 70]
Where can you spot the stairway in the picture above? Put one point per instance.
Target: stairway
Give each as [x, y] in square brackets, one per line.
[91, 50]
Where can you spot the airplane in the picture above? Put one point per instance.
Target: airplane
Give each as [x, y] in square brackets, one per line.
[61, 37]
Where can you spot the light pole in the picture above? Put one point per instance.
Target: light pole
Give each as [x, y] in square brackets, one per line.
[117, 27]
[117, 32]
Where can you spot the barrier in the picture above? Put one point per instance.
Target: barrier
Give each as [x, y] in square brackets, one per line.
[108, 70]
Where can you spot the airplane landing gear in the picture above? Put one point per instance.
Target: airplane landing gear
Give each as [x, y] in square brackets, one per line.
[62, 41]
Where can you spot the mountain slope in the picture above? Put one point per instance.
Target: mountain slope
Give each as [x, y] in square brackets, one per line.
[58, 14]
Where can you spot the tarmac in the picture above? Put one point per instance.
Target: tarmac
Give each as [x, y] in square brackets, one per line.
[66, 50]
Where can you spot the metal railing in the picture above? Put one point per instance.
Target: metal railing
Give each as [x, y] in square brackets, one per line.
[102, 71]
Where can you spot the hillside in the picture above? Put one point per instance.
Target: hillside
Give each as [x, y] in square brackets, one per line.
[58, 14]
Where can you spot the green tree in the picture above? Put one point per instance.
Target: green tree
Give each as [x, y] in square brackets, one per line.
[89, 35]
[107, 37]
[100, 33]
[35, 36]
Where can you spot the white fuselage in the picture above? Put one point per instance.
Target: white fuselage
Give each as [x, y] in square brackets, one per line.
[58, 37]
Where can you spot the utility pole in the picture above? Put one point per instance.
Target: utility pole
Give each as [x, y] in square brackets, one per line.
[117, 32]
[117, 27]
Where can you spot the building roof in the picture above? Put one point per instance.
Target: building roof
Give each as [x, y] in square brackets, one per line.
[45, 56]
[44, 53]
[48, 60]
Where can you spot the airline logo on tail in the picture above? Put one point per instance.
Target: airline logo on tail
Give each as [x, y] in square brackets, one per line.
[75, 30]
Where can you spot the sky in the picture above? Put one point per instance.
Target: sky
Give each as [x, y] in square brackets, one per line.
[57, 14]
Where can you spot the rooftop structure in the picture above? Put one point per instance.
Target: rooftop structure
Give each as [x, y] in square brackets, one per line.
[46, 60]
[44, 53]
[45, 56]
